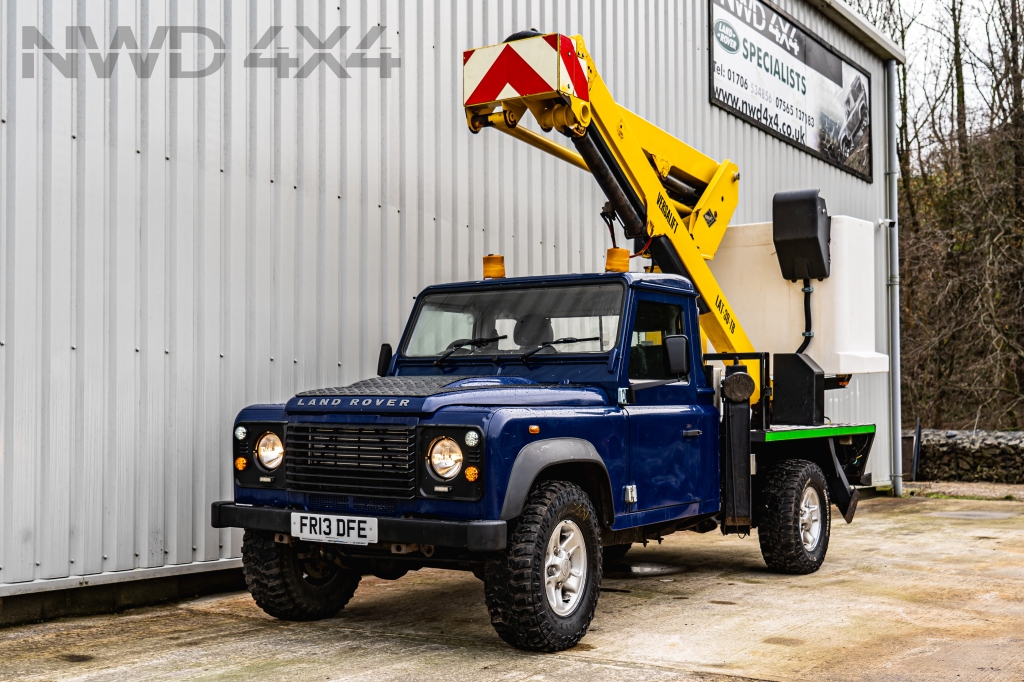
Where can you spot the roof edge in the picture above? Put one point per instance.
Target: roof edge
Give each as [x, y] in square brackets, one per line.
[860, 28]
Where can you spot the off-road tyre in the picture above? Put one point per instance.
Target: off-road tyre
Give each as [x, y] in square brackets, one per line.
[514, 580]
[296, 581]
[779, 531]
[616, 552]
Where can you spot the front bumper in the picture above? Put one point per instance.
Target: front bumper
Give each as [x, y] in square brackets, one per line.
[475, 536]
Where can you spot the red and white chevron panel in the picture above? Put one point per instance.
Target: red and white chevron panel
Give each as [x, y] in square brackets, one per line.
[532, 66]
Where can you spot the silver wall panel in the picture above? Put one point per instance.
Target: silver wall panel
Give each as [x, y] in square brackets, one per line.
[174, 249]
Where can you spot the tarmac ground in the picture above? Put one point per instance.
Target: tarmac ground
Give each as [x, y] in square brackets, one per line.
[915, 589]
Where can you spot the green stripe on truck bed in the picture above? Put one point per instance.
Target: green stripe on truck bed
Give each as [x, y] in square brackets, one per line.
[799, 432]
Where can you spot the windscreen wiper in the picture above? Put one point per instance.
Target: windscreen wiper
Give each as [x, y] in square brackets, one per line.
[567, 339]
[462, 343]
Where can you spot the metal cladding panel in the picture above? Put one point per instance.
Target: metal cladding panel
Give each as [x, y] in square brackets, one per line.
[174, 249]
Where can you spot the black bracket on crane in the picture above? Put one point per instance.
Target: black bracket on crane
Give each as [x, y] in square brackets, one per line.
[608, 215]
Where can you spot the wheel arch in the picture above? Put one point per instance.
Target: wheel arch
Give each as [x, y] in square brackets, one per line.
[559, 459]
[851, 458]
[842, 465]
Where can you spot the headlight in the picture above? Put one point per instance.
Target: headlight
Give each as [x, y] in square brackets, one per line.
[270, 451]
[445, 458]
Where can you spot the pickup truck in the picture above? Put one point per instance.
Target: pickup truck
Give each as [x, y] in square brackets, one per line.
[530, 430]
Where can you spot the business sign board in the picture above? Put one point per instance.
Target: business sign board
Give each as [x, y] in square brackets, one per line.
[770, 71]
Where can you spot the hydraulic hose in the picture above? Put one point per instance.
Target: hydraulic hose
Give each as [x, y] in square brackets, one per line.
[808, 289]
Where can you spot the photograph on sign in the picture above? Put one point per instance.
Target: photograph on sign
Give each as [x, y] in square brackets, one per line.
[769, 70]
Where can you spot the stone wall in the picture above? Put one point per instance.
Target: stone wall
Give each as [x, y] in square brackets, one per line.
[993, 456]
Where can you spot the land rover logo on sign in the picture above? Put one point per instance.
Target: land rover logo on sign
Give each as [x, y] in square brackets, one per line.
[726, 36]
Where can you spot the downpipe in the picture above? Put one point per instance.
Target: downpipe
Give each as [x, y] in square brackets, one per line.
[891, 177]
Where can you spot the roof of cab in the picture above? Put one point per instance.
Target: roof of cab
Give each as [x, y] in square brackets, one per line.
[646, 280]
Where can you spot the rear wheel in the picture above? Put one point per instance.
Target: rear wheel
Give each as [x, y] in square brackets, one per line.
[300, 581]
[542, 590]
[795, 517]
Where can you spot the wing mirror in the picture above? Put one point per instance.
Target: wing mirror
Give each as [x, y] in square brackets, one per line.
[677, 354]
[384, 361]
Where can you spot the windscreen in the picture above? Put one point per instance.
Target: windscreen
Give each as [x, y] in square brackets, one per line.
[547, 318]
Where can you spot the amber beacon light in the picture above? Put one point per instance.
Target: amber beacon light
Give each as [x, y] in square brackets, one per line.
[494, 266]
[617, 260]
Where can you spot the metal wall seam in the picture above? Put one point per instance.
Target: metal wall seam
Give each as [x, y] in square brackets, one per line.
[7, 61]
[174, 249]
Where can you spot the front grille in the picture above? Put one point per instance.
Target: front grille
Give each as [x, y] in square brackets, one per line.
[351, 459]
[341, 503]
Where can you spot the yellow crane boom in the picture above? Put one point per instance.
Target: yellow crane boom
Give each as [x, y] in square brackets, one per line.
[671, 198]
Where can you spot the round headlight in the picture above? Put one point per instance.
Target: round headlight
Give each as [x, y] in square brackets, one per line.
[445, 458]
[241, 433]
[270, 451]
[472, 438]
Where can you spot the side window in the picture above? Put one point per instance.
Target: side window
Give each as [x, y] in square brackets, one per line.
[654, 321]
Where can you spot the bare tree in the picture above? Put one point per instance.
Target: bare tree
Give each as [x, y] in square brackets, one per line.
[961, 154]
[956, 14]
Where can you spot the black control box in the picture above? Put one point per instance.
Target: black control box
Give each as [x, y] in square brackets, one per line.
[801, 230]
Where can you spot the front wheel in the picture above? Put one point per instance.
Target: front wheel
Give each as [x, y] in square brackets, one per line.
[796, 517]
[542, 590]
[300, 581]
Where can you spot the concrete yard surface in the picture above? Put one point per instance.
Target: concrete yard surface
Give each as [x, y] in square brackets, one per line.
[914, 589]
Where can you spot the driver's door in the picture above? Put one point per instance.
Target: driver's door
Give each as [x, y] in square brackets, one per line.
[669, 463]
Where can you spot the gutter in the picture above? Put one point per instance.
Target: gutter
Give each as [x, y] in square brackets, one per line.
[860, 28]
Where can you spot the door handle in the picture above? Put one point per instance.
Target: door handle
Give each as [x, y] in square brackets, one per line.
[692, 433]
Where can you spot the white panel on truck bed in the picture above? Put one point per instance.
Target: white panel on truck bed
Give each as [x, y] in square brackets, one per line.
[772, 309]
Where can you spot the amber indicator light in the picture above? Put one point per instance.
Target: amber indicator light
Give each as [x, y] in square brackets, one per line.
[534, 428]
[472, 473]
[241, 463]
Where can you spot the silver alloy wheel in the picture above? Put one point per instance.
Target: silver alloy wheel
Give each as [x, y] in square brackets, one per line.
[810, 518]
[565, 568]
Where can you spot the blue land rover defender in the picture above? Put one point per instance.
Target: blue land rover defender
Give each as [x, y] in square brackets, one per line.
[529, 430]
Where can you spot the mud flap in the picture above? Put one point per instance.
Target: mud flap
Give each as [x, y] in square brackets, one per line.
[843, 494]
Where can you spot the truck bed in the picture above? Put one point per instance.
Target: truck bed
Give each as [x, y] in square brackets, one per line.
[787, 432]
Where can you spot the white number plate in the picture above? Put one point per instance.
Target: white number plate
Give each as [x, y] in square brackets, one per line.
[342, 530]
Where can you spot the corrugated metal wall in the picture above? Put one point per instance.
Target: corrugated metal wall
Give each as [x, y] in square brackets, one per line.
[176, 248]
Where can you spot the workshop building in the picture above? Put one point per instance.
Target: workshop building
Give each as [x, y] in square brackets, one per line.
[205, 206]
